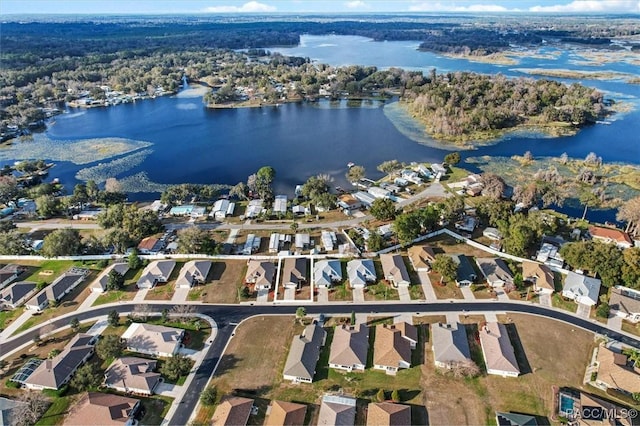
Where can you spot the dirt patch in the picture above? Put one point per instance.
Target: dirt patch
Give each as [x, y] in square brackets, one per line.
[445, 244]
[223, 281]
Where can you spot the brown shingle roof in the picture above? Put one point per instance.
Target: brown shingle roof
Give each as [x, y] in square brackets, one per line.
[541, 274]
[132, 373]
[622, 300]
[421, 256]
[286, 414]
[408, 331]
[390, 347]
[350, 345]
[388, 413]
[232, 411]
[614, 375]
[97, 408]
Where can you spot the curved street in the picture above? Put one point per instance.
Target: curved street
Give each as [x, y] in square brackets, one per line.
[227, 316]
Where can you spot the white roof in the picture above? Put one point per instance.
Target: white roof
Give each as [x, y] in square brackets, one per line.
[450, 343]
[581, 288]
[327, 271]
[280, 204]
[302, 240]
[361, 271]
[329, 240]
[152, 338]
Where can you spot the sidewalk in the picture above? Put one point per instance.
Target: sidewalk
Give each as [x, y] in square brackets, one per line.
[88, 302]
[11, 328]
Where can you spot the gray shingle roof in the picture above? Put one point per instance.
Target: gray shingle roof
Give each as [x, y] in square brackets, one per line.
[450, 343]
[304, 353]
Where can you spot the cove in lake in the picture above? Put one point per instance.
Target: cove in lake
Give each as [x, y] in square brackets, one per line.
[190, 143]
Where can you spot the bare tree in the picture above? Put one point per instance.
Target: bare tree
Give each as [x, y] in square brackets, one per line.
[493, 185]
[466, 368]
[142, 311]
[33, 406]
[564, 158]
[183, 312]
[630, 212]
[591, 159]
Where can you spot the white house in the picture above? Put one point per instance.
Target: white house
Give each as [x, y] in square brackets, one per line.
[280, 204]
[327, 272]
[254, 209]
[581, 288]
[100, 284]
[361, 272]
[221, 209]
[378, 192]
[193, 272]
[158, 271]
[155, 340]
[329, 240]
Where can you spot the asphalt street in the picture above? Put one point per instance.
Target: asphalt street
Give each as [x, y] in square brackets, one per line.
[228, 315]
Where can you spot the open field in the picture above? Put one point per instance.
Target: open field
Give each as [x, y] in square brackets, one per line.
[445, 244]
[223, 281]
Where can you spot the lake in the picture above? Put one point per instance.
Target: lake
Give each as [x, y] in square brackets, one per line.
[194, 144]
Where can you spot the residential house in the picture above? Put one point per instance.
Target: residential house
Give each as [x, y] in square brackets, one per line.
[184, 210]
[616, 371]
[254, 209]
[300, 210]
[394, 269]
[302, 241]
[221, 209]
[349, 202]
[365, 198]
[157, 271]
[625, 302]
[10, 273]
[274, 242]
[421, 257]
[56, 372]
[9, 409]
[95, 408]
[388, 414]
[391, 351]
[549, 252]
[132, 375]
[541, 276]
[581, 288]
[232, 411]
[294, 272]
[386, 231]
[611, 236]
[280, 205]
[260, 273]
[282, 413]
[198, 211]
[327, 272]
[100, 284]
[411, 176]
[465, 274]
[361, 272]
[467, 224]
[499, 355]
[495, 271]
[192, 273]
[408, 331]
[329, 240]
[151, 339]
[349, 348]
[424, 171]
[252, 244]
[150, 245]
[304, 354]
[337, 410]
[59, 288]
[439, 168]
[515, 419]
[16, 294]
[378, 192]
[450, 344]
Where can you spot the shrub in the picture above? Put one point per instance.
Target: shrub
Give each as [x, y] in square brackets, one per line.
[208, 396]
[11, 384]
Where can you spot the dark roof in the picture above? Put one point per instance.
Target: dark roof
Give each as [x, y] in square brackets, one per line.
[465, 268]
[17, 291]
[514, 419]
[62, 284]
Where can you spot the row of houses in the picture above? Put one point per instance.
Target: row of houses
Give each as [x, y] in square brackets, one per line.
[349, 349]
[334, 410]
[59, 288]
[159, 271]
[451, 348]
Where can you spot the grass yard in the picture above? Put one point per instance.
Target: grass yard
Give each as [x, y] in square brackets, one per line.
[6, 317]
[128, 292]
[222, 283]
[380, 291]
[631, 328]
[446, 291]
[56, 412]
[558, 301]
[445, 244]
[46, 270]
[416, 293]
[164, 291]
[341, 292]
[155, 408]
[69, 303]
[474, 401]
[483, 291]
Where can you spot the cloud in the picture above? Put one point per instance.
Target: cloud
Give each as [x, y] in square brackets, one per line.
[356, 4]
[250, 7]
[579, 6]
[448, 7]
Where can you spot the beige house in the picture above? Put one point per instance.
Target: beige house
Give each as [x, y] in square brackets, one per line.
[100, 284]
[294, 272]
[132, 375]
[232, 411]
[304, 354]
[450, 344]
[337, 410]
[95, 408]
[421, 257]
[499, 355]
[260, 273]
[615, 371]
[540, 275]
[155, 340]
[391, 350]
[349, 348]
[388, 414]
[625, 302]
[282, 413]
[394, 269]
[193, 272]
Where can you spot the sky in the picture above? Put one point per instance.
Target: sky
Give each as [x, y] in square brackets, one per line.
[313, 6]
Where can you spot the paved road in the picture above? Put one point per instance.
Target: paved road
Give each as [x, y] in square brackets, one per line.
[226, 315]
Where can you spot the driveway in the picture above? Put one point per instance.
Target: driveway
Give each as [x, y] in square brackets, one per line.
[140, 295]
[168, 389]
[289, 294]
[467, 293]
[502, 295]
[545, 299]
[263, 296]
[427, 287]
[614, 322]
[89, 300]
[358, 295]
[403, 292]
[180, 294]
[583, 310]
[323, 295]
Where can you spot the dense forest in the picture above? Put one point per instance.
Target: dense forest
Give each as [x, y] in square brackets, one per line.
[463, 105]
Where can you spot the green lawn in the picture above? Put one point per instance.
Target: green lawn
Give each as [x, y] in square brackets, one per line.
[7, 316]
[54, 269]
[196, 337]
[56, 412]
[128, 292]
[416, 293]
[559, 302]
[381, 291]
[155, 408]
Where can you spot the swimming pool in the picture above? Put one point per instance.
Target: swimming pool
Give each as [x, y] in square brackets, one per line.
[566, 405]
